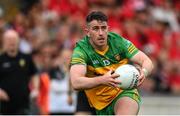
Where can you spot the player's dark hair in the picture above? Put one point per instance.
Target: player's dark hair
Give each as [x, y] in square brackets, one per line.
[96, 15]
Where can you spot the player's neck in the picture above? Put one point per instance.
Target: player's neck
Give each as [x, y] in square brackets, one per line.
[100, 48]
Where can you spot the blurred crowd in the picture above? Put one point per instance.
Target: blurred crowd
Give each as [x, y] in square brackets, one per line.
[49, 29]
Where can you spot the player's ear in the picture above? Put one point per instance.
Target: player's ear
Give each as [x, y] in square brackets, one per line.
[108, 28]
[86, 29]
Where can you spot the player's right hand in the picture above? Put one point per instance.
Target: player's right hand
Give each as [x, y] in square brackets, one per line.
[110, 79]
[3, 95]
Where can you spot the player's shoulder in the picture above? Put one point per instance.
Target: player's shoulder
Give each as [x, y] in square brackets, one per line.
[79, 48]
[114, 35]
[82, 45]
[116, 38]
[82, 42]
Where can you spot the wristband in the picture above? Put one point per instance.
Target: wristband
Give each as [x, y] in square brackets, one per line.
[145, 72]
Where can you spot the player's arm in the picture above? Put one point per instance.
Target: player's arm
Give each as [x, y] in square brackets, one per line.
[140, 58]
[144, 61]
[146, 65]
[80, 81]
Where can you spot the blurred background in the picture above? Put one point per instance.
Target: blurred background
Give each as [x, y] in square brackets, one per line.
[49, 29]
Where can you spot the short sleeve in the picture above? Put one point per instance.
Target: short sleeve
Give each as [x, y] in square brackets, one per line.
[78, 57]
[130, 48]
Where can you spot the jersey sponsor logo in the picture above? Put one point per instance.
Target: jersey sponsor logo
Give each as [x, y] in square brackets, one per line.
[106, 62]
[95, 62]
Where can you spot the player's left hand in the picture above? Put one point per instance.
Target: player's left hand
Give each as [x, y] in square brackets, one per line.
[141, 77]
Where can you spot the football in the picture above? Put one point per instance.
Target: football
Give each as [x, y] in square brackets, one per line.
[129, 75]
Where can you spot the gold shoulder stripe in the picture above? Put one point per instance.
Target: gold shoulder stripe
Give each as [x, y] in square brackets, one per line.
[74, 62]
[77, 61]
[131, 46]
[132, 50]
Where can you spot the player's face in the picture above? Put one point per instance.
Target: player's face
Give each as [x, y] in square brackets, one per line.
[97, 31]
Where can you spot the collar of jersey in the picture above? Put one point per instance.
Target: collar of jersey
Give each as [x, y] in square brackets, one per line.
[102, 52]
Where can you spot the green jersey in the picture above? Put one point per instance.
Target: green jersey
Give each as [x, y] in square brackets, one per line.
[117, 53]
